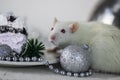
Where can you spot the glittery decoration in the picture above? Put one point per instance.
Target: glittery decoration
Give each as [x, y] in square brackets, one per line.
[84, 49]
[15, 41]
[5, 50]
[21, 59]
[51, 67]
[75, 58]
[62, 72]
[82, 54]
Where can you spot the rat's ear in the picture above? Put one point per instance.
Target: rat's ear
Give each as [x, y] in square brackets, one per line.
[74, 27]
[55, 21]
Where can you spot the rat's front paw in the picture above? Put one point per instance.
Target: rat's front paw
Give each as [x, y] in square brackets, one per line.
[55, 49]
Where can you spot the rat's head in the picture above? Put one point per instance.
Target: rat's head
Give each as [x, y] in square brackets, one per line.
[62, 32]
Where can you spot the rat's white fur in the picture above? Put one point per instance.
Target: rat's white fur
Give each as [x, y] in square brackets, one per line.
[104, 41]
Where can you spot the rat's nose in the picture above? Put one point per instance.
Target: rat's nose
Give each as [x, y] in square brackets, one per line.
[53, 37]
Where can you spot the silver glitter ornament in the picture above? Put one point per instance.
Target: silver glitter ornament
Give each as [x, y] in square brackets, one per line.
[75, 58]
[5, 50]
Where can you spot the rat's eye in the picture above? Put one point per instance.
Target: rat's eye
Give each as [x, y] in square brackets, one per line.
[63, 30]
[52, 28]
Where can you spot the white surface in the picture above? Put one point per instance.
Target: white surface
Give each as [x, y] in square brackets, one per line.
[43, 73]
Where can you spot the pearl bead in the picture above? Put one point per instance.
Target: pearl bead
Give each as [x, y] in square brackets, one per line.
[87, 73]
[21, 59]
[76, 74]
[8, 58]
[27, 59]
[62, 72]
[69, 73]
[82, 74]
[34, 59]
[90, 73]
[56, 70]
[14, 59]
[40, 59]
[50, 67]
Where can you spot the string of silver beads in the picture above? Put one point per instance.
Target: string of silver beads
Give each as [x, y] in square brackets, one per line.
[21, 59]
[50, 66]
[62, 72]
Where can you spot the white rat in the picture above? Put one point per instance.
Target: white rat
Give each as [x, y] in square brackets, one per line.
[104, 41]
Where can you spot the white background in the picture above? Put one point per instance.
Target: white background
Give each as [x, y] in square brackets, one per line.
[40, 13]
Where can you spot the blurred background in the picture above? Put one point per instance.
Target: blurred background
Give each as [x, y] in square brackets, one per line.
[108, 12]
[40, 13]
